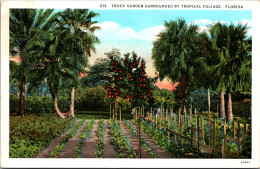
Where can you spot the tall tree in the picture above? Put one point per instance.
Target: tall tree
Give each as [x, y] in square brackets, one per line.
[58, 66]
[99, 74]
[81, 25]
[233, 62]
[64, 55]
[24, 25]
[225, 55]
[174, 52]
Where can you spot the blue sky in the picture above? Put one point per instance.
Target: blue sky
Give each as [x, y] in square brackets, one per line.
[141, 19]
[135, 30]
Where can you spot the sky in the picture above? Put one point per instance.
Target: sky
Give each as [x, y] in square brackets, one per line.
[135, 30]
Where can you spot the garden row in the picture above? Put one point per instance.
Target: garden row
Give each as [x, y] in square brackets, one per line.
[28, 136]
[202, 133]
[44, 136]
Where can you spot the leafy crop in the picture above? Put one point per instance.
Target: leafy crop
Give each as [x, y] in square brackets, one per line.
[143, 143]
[120, 141]
[131, 128]
[100, 135]
[85, 135]
[59, 148]
[30, 134]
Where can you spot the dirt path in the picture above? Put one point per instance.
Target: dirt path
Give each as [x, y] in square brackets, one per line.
[54, 143]
[109, 151]
[133, 141]
[150, 143]
[72, 143]
[89, 150]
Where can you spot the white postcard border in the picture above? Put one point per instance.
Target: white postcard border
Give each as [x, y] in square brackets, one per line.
[116, 163]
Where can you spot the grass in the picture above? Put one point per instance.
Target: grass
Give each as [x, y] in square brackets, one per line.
[88, 114]
[99, 115]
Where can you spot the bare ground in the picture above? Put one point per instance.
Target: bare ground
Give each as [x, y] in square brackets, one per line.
[89, 150]
[133, 141]
[54, 143]
[72, 143]
[150, 143]
[109, 151]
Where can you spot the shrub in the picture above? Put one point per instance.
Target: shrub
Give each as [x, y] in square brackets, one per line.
[38, 104]
[14, 103]
[94, 98]
[242, 109]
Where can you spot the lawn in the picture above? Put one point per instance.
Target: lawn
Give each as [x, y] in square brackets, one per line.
[88, 114]
[99, 115]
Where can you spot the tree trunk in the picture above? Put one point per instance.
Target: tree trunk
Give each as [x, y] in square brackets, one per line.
[72, 96]
[55, 103]
[183, 85]
[22, 96]
[221, 104]
[229, 107]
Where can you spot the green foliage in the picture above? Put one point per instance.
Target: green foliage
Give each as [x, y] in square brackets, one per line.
[242, 109]
[65, 47]
[159, 137]
[131, 128]
[77, 150]
[94, 98]
[129, 78]
[142, 139]
[247, 144]
[163, 97]
[14, 103]
[84, 136]
[38, 104]
[148, 149]
[100, 142]
[26, 27]
[199, 99]
[86, 132]
[59, 148]
[121, 144]
[173, 51]
[98, 75]
[225, 54]
[29, 135]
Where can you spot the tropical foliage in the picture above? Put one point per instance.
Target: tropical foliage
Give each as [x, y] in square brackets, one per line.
[25, 26]
[29, 135]
[174, 53]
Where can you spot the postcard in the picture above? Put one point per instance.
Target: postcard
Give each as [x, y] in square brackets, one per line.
[111, 84]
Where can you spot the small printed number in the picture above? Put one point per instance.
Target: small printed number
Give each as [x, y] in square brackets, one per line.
[103, 5]
[245, 162]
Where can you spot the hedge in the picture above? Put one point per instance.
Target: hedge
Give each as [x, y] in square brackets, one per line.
[38, 104]
[242, 109]
[94, 99]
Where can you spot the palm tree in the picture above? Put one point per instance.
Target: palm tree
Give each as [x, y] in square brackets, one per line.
[174, 52]
[81, 25]
[58, 67]
[24, 25]
[232, 61]
[99, 74]
[65, 48]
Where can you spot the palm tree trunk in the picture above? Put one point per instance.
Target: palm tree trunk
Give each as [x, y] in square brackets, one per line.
[183, 85]
[72, 96]
[221, 104]
[22, 96]
[229, 107]
[55, 103]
